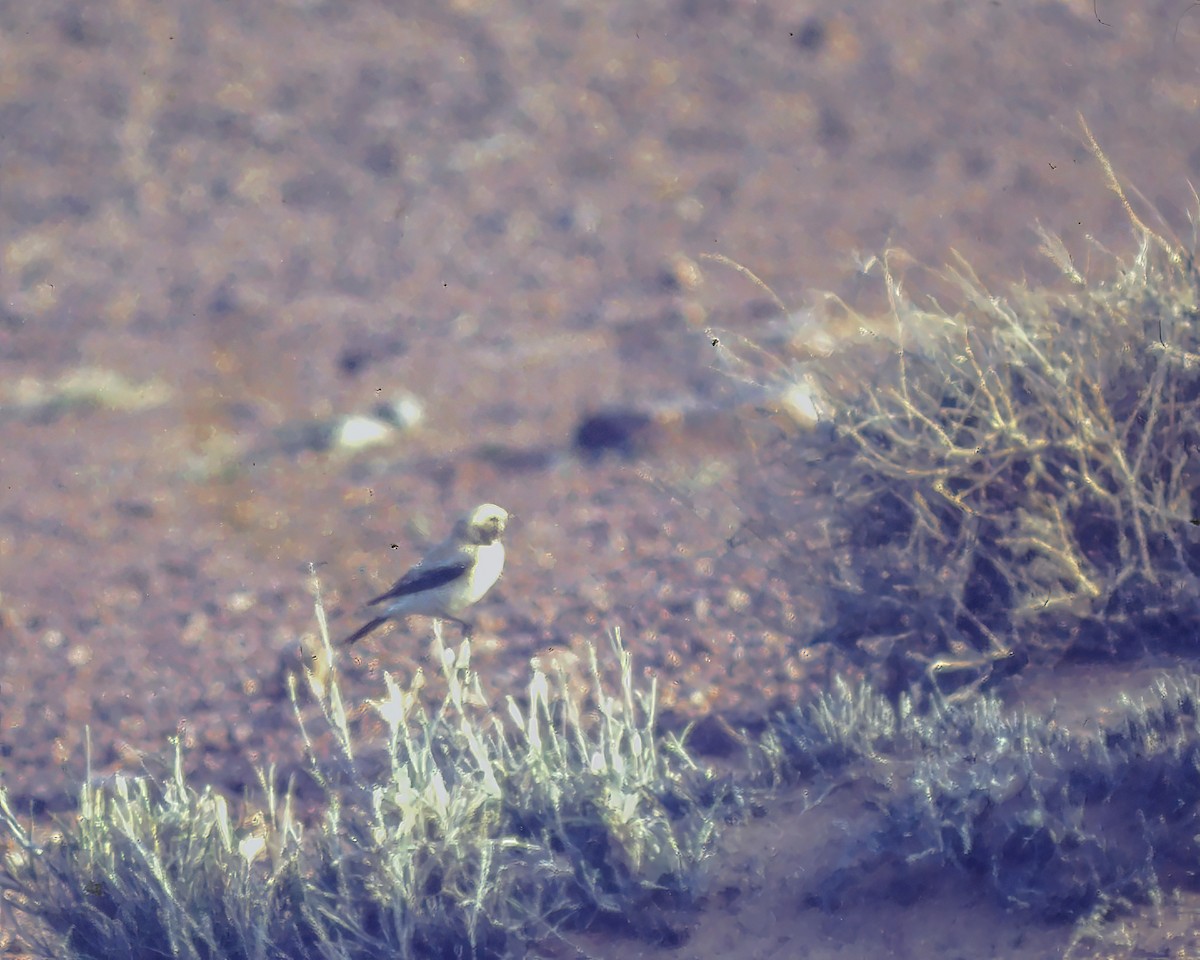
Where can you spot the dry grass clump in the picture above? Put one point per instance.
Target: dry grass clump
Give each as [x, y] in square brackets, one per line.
[1070, 823]
[483, 827]
[1021, 474]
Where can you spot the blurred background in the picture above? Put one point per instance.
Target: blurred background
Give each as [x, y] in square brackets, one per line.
[298, 282]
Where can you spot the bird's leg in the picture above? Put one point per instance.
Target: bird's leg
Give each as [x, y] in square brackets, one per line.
[468, 628]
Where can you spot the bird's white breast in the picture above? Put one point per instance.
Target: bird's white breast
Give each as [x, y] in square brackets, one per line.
[489, 561]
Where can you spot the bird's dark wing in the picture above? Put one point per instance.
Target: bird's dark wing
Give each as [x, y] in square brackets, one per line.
[423, 578]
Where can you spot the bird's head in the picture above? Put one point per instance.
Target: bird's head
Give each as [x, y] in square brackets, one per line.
[484, 524]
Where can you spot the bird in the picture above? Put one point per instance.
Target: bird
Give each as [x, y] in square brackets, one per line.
[452, 576]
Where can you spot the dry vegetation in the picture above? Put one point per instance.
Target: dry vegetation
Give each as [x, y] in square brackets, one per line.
[1023, 474]
[1020, 480]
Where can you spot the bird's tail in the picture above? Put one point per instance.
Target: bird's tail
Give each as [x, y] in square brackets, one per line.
[364, 630]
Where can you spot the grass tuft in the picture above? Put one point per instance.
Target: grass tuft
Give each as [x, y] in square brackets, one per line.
[1021, 475]
[474, 830]
[1069, 824]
